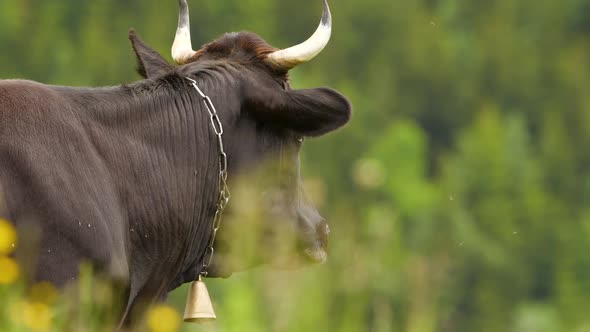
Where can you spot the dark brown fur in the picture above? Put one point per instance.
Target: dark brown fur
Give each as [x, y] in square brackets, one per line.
[242, 47]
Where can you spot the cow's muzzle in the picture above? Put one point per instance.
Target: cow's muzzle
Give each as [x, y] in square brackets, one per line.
[317, 250]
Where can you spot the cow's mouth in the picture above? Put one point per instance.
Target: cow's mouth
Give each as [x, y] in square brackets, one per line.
[317, 255]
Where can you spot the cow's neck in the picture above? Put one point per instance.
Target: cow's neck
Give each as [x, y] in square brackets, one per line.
[164, 159]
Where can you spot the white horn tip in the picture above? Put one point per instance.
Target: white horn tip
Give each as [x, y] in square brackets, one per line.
[304, 52]
[182, 49]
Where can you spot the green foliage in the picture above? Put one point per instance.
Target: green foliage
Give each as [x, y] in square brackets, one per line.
[459, 194]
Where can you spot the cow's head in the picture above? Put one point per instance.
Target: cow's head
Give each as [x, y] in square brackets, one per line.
[266, 121]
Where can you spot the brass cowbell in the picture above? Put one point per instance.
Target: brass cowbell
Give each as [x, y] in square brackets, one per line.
[198, 304]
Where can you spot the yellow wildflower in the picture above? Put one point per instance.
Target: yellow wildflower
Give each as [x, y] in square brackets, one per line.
[7, 237]
[43, 292]
[163, 319]
[9, 271]
[36, 316]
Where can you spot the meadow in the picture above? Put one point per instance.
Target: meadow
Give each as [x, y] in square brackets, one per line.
[458, 196]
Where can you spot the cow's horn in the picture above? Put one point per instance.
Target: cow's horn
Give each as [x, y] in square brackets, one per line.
[292, 56]
[182, 49]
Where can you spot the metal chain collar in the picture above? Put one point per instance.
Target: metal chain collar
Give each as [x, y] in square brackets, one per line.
[224, 194]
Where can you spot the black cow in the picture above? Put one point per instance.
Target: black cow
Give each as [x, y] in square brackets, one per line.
[126, 177]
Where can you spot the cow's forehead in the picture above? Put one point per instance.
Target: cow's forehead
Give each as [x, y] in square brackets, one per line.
[239, 46]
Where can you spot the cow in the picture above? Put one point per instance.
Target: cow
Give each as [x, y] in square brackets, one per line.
[126, 177]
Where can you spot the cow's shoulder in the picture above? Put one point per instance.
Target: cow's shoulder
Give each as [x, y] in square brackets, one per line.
[55, 181]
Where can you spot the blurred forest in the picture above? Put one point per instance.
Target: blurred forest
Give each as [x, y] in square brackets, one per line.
[459, 194]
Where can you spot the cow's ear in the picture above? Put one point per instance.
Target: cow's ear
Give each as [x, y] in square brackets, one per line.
[309, 112]
[149, 62]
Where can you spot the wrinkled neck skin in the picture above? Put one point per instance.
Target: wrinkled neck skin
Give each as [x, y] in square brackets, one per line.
[163, 154]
